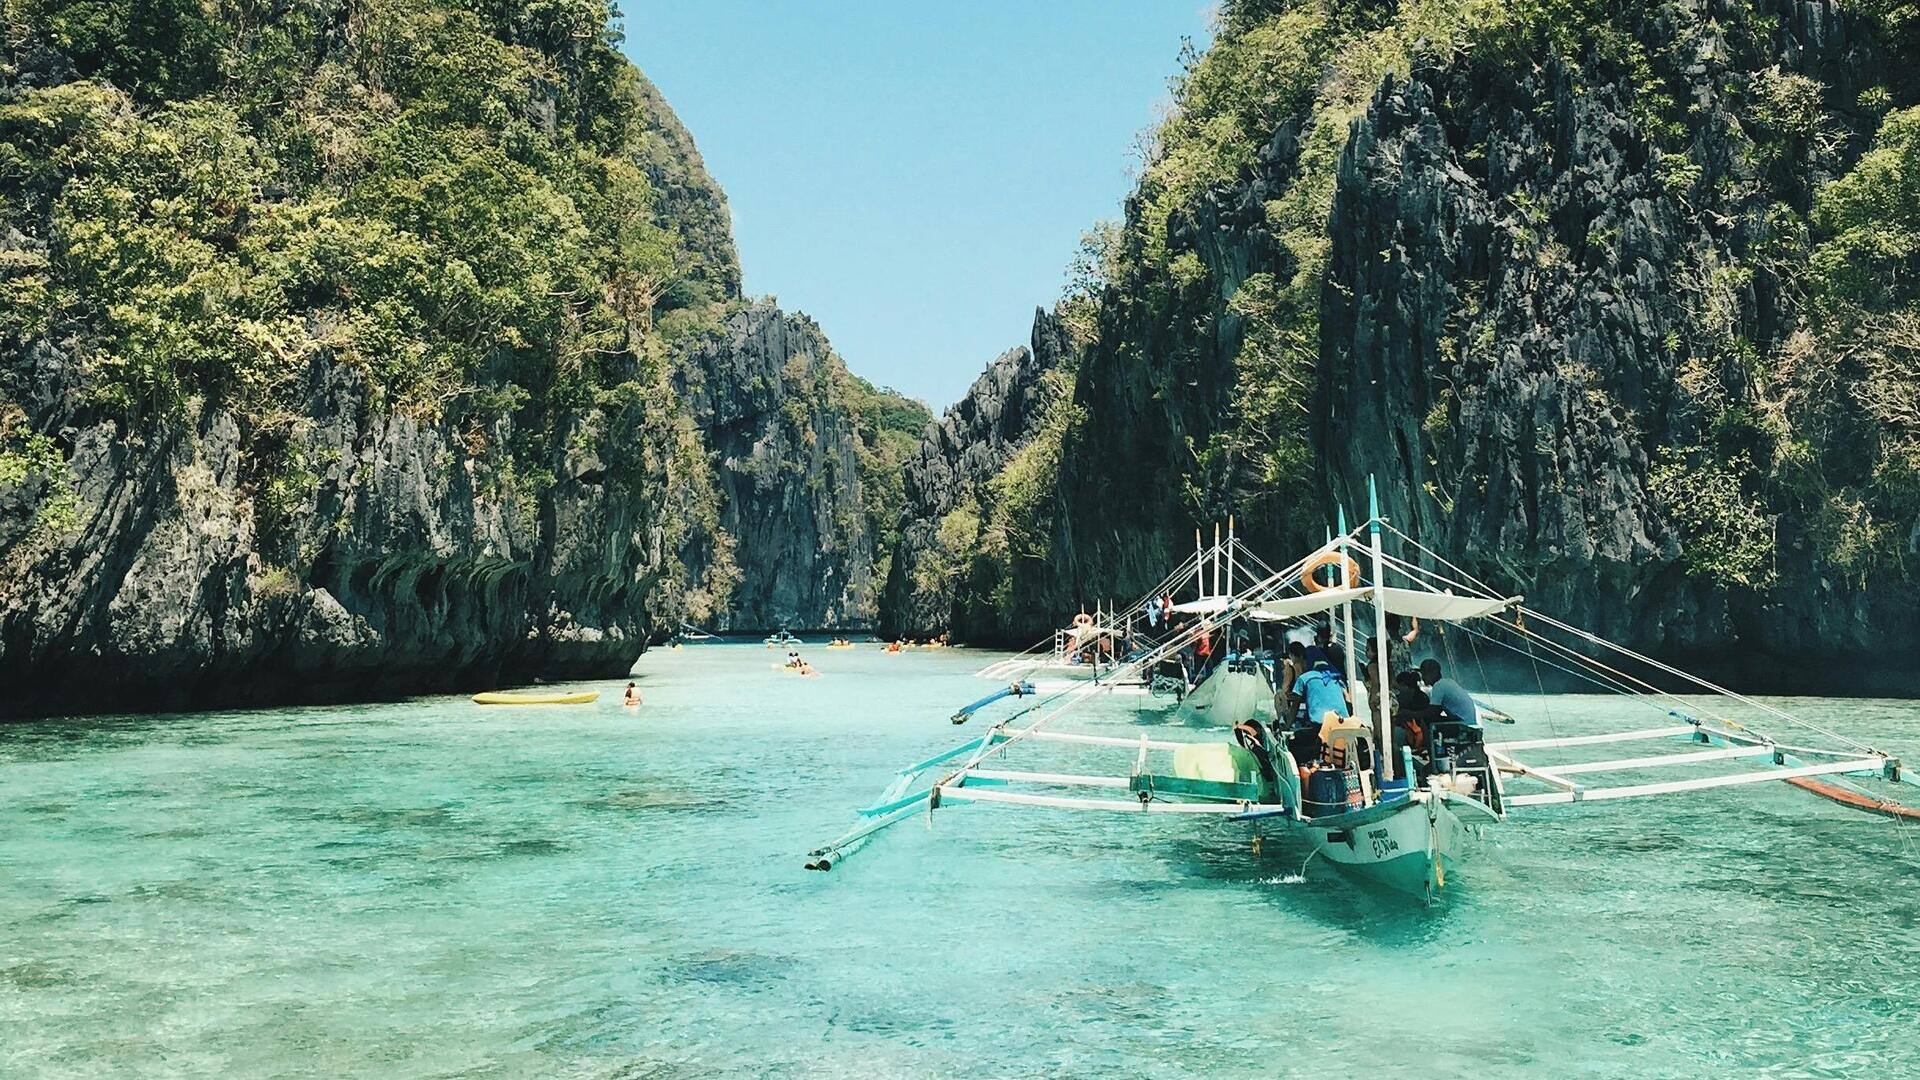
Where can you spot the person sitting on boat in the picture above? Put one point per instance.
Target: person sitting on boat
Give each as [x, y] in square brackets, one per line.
[1285, 712]
[1413, 713]
[1203, 653]
[1450, 696]
[633, 695]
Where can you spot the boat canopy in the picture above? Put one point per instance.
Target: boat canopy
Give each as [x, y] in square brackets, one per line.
[1206, 605]
[1433, 606]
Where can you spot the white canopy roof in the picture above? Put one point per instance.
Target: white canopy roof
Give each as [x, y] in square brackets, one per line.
[1206, 605]
[1437, 607]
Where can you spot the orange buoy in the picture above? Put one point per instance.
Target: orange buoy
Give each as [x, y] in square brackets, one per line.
[1083, 620]
[1327, 558]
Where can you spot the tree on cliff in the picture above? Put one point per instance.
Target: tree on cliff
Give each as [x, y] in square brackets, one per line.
[383, 297]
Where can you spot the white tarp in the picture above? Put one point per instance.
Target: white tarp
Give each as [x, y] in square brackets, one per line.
[1443, 607]
[1436, 607]
[1208, 605]
[1293, 607]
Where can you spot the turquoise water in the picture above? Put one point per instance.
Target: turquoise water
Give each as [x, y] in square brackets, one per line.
[435, 889]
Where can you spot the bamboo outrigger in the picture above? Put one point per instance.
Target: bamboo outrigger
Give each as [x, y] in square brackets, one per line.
[1406, 813]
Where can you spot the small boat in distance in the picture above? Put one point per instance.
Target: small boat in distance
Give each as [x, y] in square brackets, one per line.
[782, 639]
[578, 697]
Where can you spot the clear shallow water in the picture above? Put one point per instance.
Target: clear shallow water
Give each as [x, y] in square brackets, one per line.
[434, 889]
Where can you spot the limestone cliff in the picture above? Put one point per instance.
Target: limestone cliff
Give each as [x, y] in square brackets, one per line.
[778, 412]
[951, 472]
[349, 351]
[1571, 279]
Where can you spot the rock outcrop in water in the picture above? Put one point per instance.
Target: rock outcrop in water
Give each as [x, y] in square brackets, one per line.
[430, 571]
[1546, 273]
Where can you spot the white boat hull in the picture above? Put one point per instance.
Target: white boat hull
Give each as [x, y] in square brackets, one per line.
[1409, 847]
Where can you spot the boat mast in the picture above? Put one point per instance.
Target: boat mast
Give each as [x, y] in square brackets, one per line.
[1346, 582]
[1333, 617]
[1216, 558]
[1384, 736]
[1230, 546]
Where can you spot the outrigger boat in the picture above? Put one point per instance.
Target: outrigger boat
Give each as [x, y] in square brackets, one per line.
[1104, 646]
[1405, 816]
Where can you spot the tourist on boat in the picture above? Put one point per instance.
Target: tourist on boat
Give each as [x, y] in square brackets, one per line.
[1450, 696]
[1321, 690]
[633, 695]
[1291, 668]
[1322, 641]
[1413, 713]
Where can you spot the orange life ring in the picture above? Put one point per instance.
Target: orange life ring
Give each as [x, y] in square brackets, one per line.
[1327, 558]
[1083, 620]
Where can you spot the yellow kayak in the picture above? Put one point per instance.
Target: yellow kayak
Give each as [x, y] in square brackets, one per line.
[582, 697]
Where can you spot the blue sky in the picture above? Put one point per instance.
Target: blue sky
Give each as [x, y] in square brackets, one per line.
[914, 175]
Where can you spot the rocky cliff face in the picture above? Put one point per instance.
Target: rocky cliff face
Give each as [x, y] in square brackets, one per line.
[1542, 271]
[775, 405]
[430, 568]
[353, 354]
[957, 458]
[1535, 299]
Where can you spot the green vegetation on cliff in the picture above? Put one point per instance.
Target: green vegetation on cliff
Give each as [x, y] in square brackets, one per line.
[889, 425]
[1620, 294]
[200, 200]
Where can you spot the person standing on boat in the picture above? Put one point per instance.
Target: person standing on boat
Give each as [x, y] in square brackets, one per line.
[1285, 712]
[1448, 694]
[1322, 642]
[1321, 690]
[1323, 694]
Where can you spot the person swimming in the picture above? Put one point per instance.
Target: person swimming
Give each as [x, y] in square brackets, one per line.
[632, 698]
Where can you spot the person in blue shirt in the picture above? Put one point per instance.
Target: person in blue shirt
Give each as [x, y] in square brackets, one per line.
[1323, 690]
[1448, 694]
